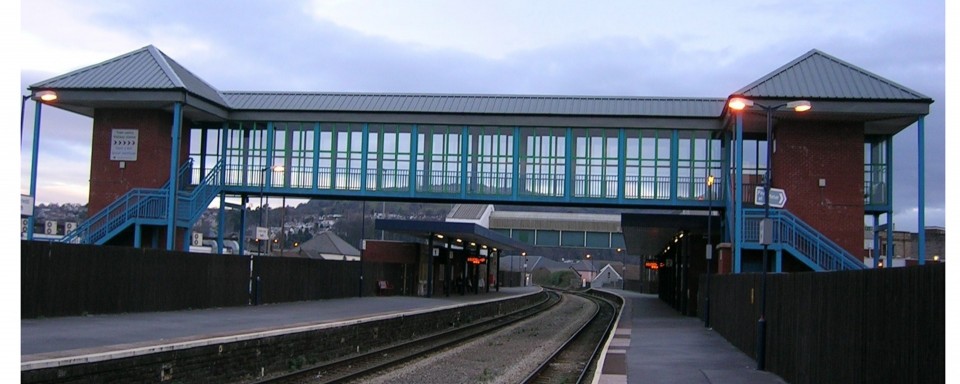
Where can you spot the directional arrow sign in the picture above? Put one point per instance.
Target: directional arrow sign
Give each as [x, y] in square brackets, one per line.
[778, 197]
[123, 144]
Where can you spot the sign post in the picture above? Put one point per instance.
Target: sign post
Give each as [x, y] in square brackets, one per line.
[778, 197]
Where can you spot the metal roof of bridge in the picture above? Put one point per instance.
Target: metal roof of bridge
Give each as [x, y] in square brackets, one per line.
[148, 78]
[468, 232]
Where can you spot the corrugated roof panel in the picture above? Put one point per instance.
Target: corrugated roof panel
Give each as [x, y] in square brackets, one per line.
[192, 82]
[135, 70]
[821, 76]
[480, 104]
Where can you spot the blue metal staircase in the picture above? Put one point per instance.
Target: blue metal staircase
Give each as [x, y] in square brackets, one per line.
[792, 235]
[148, 206]
[800, 239]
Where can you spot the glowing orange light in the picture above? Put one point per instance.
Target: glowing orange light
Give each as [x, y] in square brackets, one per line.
[739, 103]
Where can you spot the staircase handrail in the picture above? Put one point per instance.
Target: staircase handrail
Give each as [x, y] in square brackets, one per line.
[191, 205]
[800, 236]
[83, 232]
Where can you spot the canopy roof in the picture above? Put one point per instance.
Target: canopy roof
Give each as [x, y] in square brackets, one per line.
[148, 78]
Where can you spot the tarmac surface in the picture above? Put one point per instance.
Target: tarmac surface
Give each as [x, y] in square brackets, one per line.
[652, 344]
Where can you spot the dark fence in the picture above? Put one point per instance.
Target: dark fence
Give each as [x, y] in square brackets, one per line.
[69, 279]
[871, 326]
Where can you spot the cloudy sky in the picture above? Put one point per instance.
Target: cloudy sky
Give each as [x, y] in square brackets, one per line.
[632, 48]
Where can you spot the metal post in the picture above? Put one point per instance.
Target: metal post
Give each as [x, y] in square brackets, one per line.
[33, 167]
[762, 322]
[363, 233]
[921, 231]
[706, 301]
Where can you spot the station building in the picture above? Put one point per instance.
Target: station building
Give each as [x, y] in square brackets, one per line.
[166, 145]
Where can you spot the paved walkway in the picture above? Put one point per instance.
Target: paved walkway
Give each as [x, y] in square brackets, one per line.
[655, 344]
[115, 335]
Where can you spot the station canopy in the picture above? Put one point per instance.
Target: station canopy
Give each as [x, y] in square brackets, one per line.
[446, 231]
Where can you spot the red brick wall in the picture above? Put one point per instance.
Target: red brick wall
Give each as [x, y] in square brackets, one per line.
[391, 252]
[152, 167]
[809, 151]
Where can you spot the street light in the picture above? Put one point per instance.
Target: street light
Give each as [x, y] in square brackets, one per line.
[255, 273]
[766, 226]
[706, 302]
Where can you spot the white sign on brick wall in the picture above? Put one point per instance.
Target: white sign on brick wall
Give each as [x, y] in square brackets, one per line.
[123, 144]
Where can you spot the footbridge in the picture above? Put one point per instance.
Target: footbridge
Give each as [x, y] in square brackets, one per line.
[196, 145]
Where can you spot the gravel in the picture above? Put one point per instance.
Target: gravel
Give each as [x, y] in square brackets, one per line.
[505, 356]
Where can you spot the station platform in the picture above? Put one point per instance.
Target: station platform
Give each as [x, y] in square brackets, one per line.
[54, 341]
[653, 343]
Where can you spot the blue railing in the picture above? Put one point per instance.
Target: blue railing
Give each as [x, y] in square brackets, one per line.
[801, 239]
[190, 205]
[141, 204]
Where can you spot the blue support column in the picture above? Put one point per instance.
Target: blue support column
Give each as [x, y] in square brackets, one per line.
[33, 168]
[725, 179]
[738, 197]
[268, 179]
[568, 165]
[921, 206]
[889, 201]
[876, 240]
[242, 238]
[174, 162]
[364, 155]
[674, 164]
[778, 263]
[222, 221]
[316, 156]
[516, 163]
[621, 164]
[186, 239]
[464, 160]
[414, 155]
[137, 236]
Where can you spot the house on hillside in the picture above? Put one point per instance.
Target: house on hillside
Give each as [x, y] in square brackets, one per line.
[327, 246]
[607, 277]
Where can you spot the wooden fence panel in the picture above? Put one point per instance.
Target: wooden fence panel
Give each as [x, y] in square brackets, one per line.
[876, 326]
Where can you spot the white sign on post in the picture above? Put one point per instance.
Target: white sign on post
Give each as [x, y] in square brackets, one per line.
[778, 197]
[123, 144]
[263, 233]
[26, 205]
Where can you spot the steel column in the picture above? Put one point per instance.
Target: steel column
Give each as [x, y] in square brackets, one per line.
[921, 207]
[34, 155]
[174, 162]
[738, 197]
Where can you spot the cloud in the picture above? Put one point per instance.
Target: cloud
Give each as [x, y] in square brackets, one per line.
[562, 47]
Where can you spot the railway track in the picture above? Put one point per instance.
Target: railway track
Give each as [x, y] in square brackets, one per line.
[571, 362]
[577, 357]
[356, 366]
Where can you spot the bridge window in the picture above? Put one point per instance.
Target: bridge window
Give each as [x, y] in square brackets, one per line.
[647, 164]
[438, 158]
[340, 156]
[698, 156]
[875, 171]
[388, 157]
[596, 163]
[543, 161]
[491, 160]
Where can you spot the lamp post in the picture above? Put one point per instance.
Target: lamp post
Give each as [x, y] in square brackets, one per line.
[523, 276]
[766, 226]
[706, 301]
[255, 271]
[623, 269]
